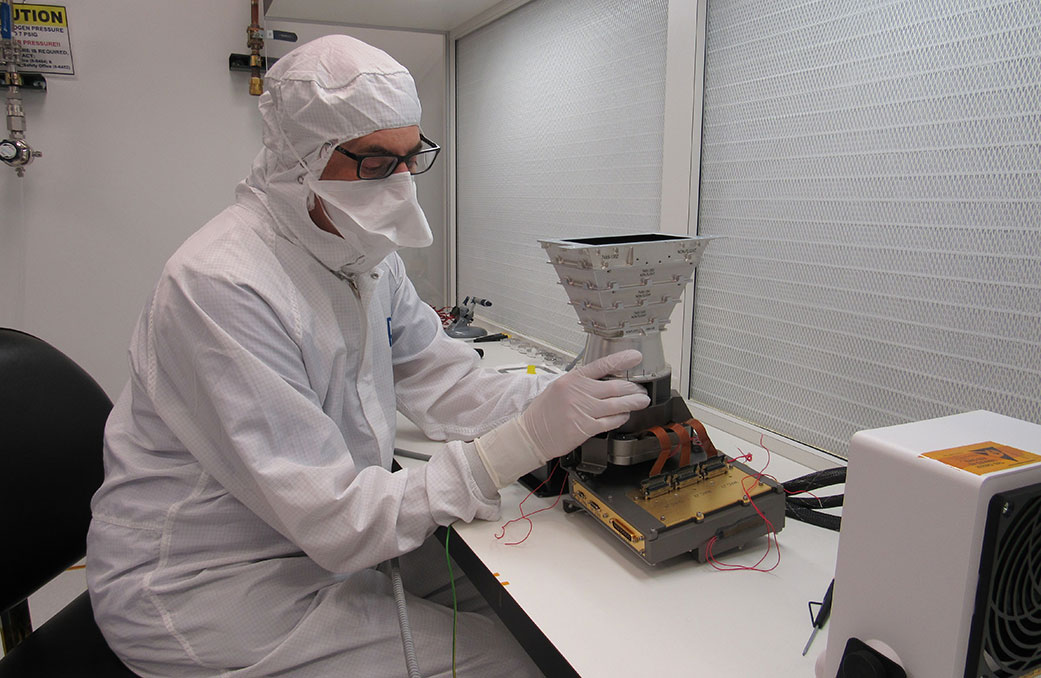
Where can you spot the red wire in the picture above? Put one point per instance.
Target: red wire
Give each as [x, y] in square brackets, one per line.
[793, 492]
[771, 537]
[445, 314]
[527, 516]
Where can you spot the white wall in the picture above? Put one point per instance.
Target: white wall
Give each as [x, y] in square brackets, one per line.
[141, 147]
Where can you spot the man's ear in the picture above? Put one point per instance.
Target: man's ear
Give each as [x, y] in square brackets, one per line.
[325, 153]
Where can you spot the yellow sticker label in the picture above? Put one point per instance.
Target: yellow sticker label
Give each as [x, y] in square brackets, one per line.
[40, 15]
[983, 458]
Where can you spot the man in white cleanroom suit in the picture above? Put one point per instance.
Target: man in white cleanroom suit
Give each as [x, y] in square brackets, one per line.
[248, 497]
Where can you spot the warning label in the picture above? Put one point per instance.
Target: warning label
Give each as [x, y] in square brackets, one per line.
[983, 458]
[43, 33]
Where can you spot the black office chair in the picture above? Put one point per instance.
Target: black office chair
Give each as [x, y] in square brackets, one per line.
[52, 417]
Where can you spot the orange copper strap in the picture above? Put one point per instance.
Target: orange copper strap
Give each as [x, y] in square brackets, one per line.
[666, 448]
[681, 432]
[706, 442]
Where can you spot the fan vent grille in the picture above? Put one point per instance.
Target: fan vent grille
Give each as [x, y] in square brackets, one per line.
[1009, 638]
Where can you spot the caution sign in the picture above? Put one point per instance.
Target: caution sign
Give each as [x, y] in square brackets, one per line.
[43, 32]
[983, 458]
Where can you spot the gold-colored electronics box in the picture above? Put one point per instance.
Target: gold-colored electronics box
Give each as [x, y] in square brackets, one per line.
[704, 509]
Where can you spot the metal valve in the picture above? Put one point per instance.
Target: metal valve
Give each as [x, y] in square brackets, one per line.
[17, 154]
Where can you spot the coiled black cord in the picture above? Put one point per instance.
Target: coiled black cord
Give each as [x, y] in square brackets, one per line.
[832, 501]
[806, 509]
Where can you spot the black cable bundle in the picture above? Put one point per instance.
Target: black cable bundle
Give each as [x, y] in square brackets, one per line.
[806, 509]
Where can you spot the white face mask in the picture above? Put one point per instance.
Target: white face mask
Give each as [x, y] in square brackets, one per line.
[377, 217]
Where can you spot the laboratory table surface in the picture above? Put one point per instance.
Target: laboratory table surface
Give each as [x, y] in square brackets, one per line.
[572, 585]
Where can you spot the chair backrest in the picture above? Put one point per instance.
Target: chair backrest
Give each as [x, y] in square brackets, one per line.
[52, 421]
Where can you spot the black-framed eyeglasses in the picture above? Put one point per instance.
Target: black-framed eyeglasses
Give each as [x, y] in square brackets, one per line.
[381, 166]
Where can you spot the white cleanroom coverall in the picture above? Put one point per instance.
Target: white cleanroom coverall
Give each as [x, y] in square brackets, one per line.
[247, 496]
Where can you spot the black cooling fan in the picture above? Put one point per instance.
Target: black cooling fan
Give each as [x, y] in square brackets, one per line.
[1005, 640]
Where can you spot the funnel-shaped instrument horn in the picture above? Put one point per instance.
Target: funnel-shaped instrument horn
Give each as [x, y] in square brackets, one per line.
[624, 289]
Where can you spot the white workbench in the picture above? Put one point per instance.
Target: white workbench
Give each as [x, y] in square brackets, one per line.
[610, 614]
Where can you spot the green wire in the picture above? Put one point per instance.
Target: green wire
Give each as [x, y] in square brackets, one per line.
[455, 603]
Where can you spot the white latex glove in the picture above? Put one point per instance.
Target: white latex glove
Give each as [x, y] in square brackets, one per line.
[571, 410]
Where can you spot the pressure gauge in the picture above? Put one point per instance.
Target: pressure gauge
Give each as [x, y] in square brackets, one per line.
[17, 154]
[8, 151]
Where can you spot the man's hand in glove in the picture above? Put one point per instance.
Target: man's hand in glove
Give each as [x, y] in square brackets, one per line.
[572, 409]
